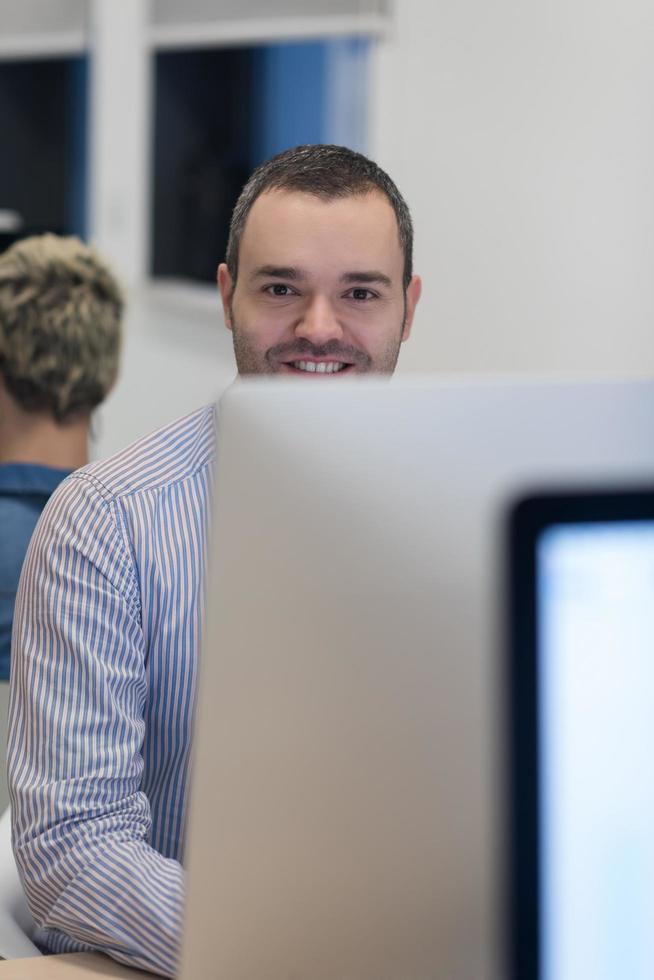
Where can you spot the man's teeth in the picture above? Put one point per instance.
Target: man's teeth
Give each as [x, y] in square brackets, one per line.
[320, 367]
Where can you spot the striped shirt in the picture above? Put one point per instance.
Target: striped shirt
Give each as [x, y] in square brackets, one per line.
[107, 629]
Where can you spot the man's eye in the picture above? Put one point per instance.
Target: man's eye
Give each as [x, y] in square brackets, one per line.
[279, 289]
[359, 293]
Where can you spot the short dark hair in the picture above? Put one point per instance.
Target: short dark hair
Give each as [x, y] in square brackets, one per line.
[60, 326]
[328, 172]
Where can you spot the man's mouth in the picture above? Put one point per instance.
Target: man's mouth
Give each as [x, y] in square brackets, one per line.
[319, 367]
[307, 360]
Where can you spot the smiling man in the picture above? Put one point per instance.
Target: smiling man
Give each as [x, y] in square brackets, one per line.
[318, 279]
[317, 285]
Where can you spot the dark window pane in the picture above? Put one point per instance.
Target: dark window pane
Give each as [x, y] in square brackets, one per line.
[201, 156]
[43, 107]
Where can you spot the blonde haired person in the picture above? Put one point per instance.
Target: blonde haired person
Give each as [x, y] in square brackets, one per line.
[60, 325]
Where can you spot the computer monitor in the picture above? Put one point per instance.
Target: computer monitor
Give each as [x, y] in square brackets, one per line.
[582, 672]
[346, 818]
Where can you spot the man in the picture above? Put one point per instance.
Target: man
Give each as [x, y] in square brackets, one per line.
[60, 324]
[318, 284]
[322, 283]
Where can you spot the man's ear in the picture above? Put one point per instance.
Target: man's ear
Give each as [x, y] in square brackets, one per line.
[413, 291]
[226, 287]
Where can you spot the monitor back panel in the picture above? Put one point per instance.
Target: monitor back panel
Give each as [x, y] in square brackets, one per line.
[347, 809]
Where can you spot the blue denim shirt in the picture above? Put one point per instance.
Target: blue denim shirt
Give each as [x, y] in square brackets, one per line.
[24, 491]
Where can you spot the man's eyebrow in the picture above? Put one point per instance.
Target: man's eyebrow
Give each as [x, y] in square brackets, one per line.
[278, 272]
[369, 276]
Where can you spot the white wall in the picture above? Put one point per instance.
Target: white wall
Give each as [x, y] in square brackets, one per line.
[177, 356]
[522, 135]
[121, 123]
[36, 27]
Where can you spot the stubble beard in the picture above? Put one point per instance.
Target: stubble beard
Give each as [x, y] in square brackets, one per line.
[251, 361]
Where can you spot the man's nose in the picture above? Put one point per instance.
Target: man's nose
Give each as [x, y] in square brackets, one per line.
[319, 322]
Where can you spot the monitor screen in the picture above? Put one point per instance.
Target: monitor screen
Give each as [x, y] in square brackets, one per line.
[581, 684]
[595, 682]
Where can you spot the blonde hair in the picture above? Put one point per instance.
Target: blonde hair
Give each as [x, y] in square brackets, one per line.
[60, 317]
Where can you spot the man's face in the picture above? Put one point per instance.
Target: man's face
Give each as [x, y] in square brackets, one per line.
[319, 291]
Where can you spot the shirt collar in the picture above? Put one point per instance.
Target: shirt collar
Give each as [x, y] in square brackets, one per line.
[30, 478]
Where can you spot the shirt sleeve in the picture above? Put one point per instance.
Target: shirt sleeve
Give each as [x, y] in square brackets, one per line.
[81, 825]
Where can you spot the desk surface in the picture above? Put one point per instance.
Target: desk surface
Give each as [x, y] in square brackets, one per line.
[70, 966]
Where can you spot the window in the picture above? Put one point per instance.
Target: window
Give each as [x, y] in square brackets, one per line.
[220, 112]
[43, 166]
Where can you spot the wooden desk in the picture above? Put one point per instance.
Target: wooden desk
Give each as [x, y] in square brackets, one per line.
[69, 966]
